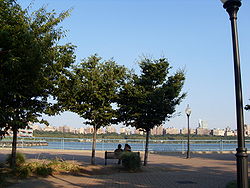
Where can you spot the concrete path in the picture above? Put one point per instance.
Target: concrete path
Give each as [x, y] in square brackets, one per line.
[163, 170]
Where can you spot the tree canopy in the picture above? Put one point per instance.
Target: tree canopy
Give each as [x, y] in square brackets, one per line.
[149, 99]
[91, 90]
[31, 62]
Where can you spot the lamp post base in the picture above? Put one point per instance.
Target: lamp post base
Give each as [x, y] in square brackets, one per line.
[242, 167]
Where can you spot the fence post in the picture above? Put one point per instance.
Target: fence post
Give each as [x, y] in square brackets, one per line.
[182, 146]
[102, 144]
[63, 144]
[221, 145]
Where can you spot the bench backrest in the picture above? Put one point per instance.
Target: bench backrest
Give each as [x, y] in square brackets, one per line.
[113, 155]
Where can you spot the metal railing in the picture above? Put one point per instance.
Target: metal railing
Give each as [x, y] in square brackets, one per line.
[111, 144]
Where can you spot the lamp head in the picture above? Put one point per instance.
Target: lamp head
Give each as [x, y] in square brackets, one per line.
[231, 3]
[188, 110]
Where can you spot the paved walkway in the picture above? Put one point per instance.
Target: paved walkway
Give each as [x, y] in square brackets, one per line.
[163, 170]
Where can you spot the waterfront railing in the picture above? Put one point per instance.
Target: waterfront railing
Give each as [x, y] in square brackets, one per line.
[111, 144]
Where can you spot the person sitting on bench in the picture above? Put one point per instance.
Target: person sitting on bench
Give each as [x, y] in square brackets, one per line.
[127, 147]
[118, 152]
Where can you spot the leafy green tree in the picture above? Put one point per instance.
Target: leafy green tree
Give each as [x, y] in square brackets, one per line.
[30, 66]
[90, 91]
[149, 99]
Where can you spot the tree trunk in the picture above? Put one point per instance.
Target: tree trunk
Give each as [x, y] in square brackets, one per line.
[93, 146]
[13, 153]
[146, 148]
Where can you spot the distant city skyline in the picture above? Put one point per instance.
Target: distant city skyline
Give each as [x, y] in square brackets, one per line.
[197, 40]
[80, 122]
[202, 130]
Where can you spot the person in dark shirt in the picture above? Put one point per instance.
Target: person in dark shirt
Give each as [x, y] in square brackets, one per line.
[118, 152]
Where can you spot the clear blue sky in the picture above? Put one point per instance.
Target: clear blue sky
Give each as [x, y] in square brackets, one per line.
[193, 34]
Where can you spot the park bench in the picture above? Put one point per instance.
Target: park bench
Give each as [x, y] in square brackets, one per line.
[113, 155]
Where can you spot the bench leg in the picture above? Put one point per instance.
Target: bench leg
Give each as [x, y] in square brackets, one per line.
[105, 161]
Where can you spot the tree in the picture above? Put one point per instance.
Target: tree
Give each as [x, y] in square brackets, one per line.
[90, 91]
[31, 65]
[148, 100]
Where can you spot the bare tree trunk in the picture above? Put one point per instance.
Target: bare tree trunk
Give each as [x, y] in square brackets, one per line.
[146, 148]
[13, 153]
[93, 146]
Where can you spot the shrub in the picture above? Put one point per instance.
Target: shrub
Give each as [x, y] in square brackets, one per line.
[20, 159]
[43, 170]
[131, 161]
[23, 171]
[33, 166]
[58, 166]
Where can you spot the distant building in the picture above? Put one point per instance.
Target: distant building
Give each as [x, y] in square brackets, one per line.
[81, 130]
[89, 130]
[247, 130]
[66, 129]
[157, 130]
[202, 131]
[185, 131]
[74, 130]
[110, 129]
[100, 131]
[229, 132]
[203, 124]
[203, 128]
[60, 129]
[122, 130]
[49, 128]
[126, 131]
[172, 130]
[36, 127]
[140, 132]
[218, 132]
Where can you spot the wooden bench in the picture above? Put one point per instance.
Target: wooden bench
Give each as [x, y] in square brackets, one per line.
[113, 155]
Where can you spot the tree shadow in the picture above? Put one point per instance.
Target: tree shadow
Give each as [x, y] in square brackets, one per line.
[158, 173]
[215, 156]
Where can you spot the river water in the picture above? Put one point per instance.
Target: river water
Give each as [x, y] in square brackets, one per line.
[166, 146]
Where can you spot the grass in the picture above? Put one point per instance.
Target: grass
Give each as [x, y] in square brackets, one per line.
[48, 167]
[42, 168]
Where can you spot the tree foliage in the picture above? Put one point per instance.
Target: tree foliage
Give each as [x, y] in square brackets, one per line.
[31, 62]
[149, 99]
[91, 90]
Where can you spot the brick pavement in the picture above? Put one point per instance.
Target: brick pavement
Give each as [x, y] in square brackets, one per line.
[164, 170]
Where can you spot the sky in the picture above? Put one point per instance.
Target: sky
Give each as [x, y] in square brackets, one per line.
[194, 35]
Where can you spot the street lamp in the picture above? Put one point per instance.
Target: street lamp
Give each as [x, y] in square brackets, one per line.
[232, 7]
[188, 112]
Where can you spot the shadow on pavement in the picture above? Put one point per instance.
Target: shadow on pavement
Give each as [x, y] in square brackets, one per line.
[202, 170]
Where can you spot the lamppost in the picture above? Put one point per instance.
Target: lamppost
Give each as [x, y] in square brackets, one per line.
[232, 7]
[188, 112]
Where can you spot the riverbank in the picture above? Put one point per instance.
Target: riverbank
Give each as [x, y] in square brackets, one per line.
[164, 170]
